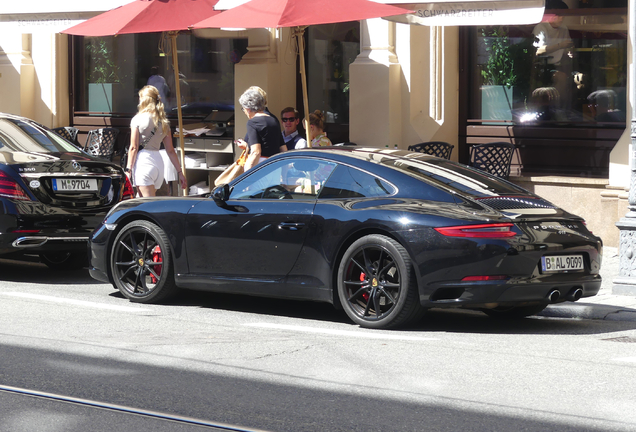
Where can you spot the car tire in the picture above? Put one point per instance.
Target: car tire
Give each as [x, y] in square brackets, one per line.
[514, 312]
[64, 261]
[141, 263]
[377, 285]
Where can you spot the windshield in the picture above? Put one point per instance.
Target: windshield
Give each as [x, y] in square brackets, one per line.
[457, 177]
[17, 135]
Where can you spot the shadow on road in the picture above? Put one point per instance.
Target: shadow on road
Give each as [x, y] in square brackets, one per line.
[435, 320]
[278, 403]
[33, 271]
[444, 320]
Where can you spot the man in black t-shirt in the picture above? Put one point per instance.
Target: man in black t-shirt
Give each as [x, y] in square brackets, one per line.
[263, 129]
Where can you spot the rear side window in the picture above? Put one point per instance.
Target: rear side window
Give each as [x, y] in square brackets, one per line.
[347, 182]
[457, 177]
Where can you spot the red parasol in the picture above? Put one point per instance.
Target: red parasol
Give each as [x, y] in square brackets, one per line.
[298, 14]
[151, 16]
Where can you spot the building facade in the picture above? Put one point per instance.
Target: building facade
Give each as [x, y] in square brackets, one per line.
[382, 84]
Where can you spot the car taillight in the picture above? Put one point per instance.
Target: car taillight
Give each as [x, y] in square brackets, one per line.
[493, 230]
[129, 192]
[10, 189]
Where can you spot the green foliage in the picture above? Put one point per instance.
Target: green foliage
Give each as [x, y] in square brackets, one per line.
[500, 66]
[101, 62]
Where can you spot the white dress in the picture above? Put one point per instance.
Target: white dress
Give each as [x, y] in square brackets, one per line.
[149, 166]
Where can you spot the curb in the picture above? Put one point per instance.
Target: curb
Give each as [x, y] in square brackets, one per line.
[590, 311]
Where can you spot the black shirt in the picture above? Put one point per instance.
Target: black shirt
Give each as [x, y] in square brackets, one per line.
[264, 130]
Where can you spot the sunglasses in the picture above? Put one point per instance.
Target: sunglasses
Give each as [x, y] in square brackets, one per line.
[289, 119]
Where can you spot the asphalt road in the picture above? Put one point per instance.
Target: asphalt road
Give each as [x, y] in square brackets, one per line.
[76, 356]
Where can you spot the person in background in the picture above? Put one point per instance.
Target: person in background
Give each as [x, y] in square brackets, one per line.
[602, 105]
[263, 130]
[292, 138]
[267, 111]
[160, 84]
[148, 129]
[317, 134]
[555, 47]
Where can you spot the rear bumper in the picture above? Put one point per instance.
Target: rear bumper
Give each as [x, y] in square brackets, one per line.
[41, 243]
[508, 293]
[35, 228]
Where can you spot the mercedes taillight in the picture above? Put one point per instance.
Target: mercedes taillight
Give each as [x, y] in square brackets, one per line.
[10, 189]
[129, 192]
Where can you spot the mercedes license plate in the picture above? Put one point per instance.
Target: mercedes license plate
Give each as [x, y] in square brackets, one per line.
[561, 263]
[74, 185]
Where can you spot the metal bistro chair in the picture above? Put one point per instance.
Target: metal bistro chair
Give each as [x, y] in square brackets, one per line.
[436, 148]
[69, 133]
[494, 158]
[101, 142]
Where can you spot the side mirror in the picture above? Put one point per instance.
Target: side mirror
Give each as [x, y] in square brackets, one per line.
[221, 194]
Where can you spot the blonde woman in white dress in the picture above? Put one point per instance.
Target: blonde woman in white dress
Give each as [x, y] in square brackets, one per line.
[147, 130]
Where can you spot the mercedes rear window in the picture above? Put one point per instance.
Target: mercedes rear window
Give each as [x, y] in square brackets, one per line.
[20, 136]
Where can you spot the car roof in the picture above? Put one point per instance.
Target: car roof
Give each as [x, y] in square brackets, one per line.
[449, 175]
[15, 117]
[366, 154]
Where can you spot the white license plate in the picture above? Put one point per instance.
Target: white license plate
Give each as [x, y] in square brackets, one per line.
[561, 263]
[74, 185]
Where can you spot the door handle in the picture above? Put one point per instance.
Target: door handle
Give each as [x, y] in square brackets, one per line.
[291, 226]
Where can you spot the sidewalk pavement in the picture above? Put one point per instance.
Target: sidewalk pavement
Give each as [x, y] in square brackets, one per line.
[604, 305]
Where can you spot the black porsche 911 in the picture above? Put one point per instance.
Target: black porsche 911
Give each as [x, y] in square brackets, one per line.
[382, 234]
[52, 194]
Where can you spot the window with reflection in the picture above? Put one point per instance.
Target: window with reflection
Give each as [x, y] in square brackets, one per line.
[109, 71]
[331, 48]
[297, 179]
[348, 182]
[570, 68]
[17, 136]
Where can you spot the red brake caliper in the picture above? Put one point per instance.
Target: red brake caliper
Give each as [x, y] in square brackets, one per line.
[365, 295]
[156, 257]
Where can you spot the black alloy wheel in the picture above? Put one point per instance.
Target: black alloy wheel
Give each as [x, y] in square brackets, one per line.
[141, 263]
[376, 284]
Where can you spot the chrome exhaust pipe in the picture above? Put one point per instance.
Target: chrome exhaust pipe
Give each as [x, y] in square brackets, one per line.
[36, 241]
[28, 242]
[574, 294]
[554, 295]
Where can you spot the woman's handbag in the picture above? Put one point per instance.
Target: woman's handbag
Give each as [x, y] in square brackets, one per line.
[233, 171]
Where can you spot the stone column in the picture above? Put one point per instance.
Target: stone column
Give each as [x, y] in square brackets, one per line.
[375, 108]
[16, 74]
[625, 283]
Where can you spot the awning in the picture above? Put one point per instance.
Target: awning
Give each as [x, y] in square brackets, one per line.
[228, 4]
[469, 12]
[49, 16]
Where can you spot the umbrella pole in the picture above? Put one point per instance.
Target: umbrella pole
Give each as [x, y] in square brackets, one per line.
[299, 33]
[175, 67]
